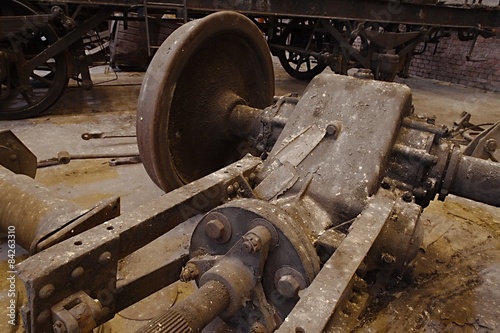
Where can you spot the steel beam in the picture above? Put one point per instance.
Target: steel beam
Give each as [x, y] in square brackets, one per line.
[89, 261]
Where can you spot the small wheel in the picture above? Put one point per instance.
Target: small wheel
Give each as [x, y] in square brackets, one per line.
[22, 97]
[199, 74]
[299, 66]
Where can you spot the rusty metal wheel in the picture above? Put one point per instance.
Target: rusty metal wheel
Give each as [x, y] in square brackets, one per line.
[199, 74]
[25, 94]
[300, 35]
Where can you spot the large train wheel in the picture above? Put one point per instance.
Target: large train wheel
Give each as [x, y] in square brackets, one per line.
[298, 36]
[200, 73]
[45, 84]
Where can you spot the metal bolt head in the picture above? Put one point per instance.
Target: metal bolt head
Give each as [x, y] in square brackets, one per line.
[230, 189]
[429, 183]
[77, 273]
[407, 196]
[388, 258]
[59, 327]
[104, 258]
[332, 130]
[491, 145]
[288, 286]
[385, 185]
[46, 291]
[44, 316]
[12, 157]
[214, 229]
[189, 272]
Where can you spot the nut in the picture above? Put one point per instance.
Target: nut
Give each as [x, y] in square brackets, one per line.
[214, 229]
[288, 286]
[332, 130]
[189, 272]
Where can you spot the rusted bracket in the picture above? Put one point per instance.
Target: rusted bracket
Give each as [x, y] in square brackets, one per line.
[68, 39]
[331, 287]
[88, 262]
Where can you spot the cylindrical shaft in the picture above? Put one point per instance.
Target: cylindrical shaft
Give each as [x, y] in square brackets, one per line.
[194, 313]
[33, 211]
[478, 180]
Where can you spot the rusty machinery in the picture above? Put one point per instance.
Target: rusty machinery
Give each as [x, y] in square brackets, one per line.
[285, 241]
[41, 40]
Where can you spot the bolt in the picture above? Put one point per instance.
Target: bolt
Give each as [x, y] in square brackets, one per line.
[251, 244]
[230, 189]
[491, 145]
[214, 229]
[236, 185]
[12, 157]
[77, 273]
[43, 316]
[385, 185]
[407, 196]
[189, 272]
[388, 258]
[59, 327]
[104, 258]
[288, 286]
[429, 183]
[46, 291]
[251, 177]
[258, 328]
[332, 130]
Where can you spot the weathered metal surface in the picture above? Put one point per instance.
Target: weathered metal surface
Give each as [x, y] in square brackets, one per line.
[116, 239]
[49, 216]
[352, 161]
[477, 179]
[184, 134]
[291, 260]
[333, 284]
[458, 14]
[15, 156]
[62, 43]
[364, 10]
[28, 91]
[194, 313]
[486, 145]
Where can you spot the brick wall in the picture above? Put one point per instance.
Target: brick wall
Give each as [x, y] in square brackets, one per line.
[449, 63]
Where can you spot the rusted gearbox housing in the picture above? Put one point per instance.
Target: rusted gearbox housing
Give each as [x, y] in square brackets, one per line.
[284, 244]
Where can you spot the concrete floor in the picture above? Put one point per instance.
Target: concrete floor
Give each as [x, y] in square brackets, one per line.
[457, 276]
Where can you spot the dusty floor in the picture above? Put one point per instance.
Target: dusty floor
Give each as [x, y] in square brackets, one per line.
[456, 286]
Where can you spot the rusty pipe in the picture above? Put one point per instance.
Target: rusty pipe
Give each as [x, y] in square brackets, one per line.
[40, 217]
[194, 313]
[478, 180]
